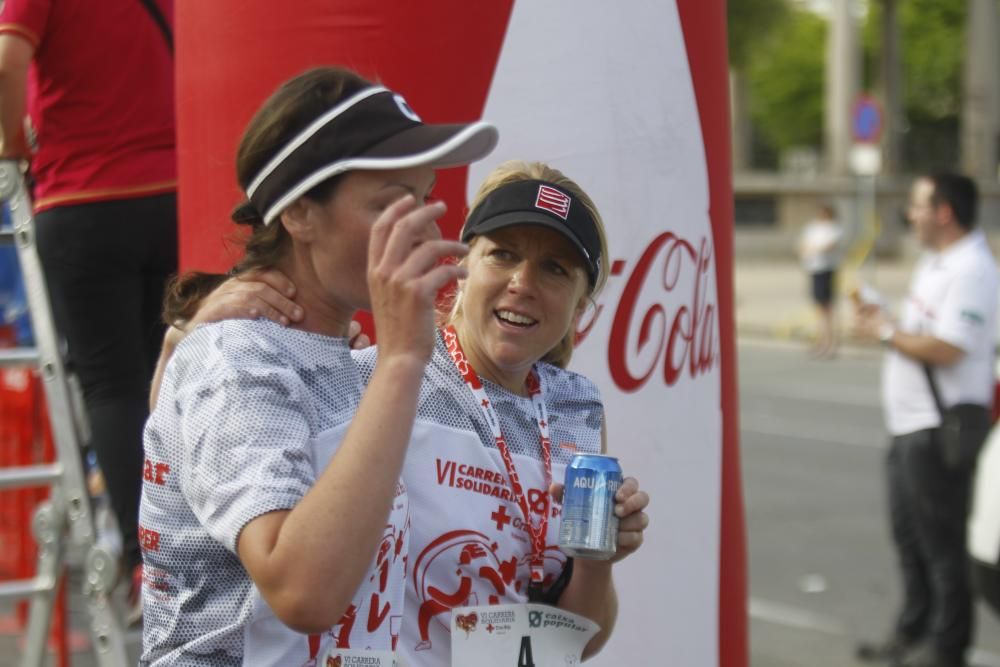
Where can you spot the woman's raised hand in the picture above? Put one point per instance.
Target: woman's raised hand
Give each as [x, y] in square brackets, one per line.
[405, 274]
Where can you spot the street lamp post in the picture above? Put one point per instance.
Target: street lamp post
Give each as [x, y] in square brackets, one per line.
[842, 77]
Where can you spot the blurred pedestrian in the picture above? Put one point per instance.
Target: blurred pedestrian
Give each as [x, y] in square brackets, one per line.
[97, 80]
[940, 356]
[820, 251]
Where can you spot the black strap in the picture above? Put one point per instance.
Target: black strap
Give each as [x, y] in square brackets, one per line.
[555, 591]
[161, 22]
[934, 389]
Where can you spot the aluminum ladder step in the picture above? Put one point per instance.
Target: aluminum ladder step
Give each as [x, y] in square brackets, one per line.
[19, 589]
[19, 477]
[19, 356]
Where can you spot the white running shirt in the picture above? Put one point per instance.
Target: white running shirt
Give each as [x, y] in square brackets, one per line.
[248, 417]
[468, 545]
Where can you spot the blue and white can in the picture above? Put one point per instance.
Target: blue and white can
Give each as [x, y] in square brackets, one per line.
[589, 525]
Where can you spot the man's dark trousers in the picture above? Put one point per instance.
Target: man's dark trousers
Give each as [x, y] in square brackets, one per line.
[928, 506]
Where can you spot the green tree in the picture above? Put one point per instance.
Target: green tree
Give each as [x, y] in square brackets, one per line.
[786, 74]
[932, 39]
[781, 48]
[749, 22]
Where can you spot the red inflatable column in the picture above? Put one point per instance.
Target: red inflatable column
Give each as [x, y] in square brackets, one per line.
[231, 54]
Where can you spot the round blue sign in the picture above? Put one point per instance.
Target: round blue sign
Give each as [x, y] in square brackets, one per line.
[866, 120]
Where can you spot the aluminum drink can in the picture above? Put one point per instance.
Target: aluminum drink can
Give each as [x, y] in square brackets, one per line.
[589, 526]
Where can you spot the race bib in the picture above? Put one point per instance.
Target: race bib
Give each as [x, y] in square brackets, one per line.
[345, 657]
[518, 635]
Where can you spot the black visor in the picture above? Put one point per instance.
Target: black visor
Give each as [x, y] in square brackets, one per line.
[539, 203]
[374, 129]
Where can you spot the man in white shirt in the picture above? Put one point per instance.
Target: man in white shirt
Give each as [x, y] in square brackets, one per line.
[949, 325]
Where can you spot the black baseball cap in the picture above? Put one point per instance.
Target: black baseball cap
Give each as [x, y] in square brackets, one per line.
[535, 202]
[373, 129]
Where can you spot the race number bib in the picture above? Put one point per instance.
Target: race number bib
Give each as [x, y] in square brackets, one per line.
[518, 635]
[345, 657]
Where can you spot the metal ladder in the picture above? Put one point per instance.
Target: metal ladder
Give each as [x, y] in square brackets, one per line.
[66, 516]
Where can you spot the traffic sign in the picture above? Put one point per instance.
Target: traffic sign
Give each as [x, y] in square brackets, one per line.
[866, 120]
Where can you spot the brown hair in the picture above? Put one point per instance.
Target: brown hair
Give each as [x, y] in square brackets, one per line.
[289, 110]
[185, 292]
[296, 104]
[511, 172]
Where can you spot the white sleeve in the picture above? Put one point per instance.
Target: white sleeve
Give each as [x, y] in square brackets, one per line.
[968, 306]
[246, 447]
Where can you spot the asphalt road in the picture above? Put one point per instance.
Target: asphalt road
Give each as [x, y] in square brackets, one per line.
[822, 571]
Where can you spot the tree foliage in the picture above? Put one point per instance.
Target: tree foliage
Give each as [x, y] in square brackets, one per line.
[750, 21]
[786, 74]
[781, 46]
[932, 41]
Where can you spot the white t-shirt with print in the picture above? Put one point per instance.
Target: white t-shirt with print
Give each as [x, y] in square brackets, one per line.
[249, 415]
[953, 297]
[468, 543]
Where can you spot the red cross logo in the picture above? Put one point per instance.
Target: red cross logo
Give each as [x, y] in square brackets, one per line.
[486, 403]
[501, 517]
[489, 628]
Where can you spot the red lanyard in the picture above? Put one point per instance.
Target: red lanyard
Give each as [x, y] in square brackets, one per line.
[536, 393]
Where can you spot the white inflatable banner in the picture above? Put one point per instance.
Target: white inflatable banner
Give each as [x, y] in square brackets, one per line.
[616, 111]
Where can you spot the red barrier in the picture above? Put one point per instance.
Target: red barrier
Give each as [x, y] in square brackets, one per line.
[26, 439]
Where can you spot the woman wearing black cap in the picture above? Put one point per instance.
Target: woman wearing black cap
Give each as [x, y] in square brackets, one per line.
[271, 494]
[537, 256]
[497, 402]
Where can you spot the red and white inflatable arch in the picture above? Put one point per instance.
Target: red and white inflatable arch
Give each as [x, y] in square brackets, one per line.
[629, 100]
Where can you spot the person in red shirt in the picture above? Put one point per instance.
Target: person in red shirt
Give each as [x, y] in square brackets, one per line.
[96, 80]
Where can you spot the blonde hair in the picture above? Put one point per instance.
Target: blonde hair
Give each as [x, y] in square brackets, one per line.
[512, 172]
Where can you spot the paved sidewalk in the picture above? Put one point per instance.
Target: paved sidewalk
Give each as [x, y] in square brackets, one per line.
[772, 296]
